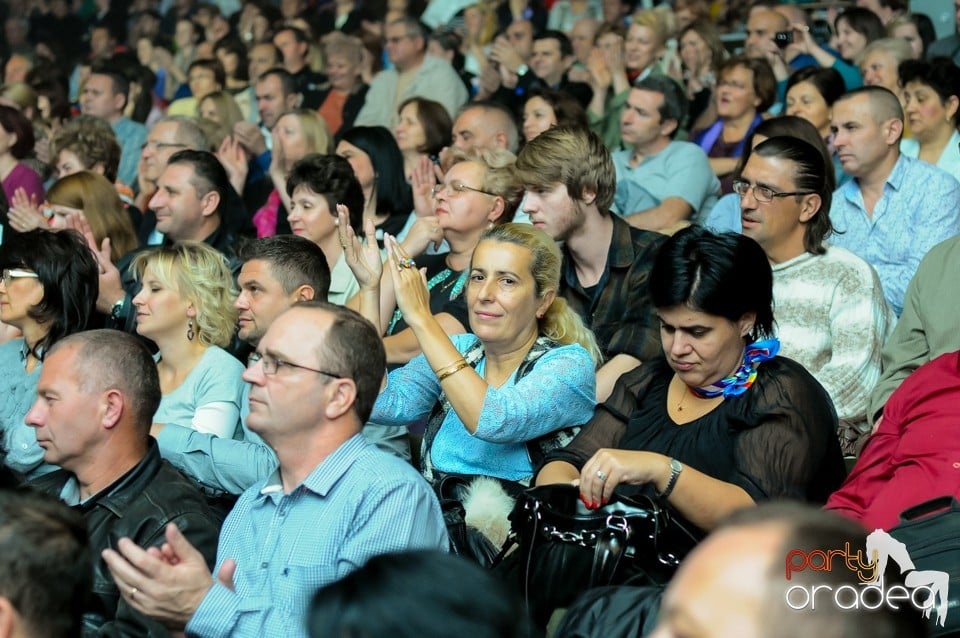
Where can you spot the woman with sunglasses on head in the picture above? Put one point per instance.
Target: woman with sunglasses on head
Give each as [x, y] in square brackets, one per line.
[478, 192]
[493, 399]
[49, 285]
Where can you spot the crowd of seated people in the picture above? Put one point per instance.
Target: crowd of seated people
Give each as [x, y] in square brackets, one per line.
[273, 271]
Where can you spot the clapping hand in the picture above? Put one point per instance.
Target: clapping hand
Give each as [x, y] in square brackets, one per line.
[24, 213]
[409, 282]
[362, 258]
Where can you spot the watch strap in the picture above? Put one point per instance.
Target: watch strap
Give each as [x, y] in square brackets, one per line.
[675, 469]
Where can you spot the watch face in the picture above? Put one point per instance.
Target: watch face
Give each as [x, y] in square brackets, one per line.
[676, 465]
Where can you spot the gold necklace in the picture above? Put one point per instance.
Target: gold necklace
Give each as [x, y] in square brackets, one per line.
[683, 395]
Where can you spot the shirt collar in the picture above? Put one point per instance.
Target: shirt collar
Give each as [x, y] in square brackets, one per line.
[323, 477]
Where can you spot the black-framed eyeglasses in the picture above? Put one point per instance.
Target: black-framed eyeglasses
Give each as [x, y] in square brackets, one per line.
[161, 146]
[9, 274]
[456, 188]
[763, 194]
[271, 364]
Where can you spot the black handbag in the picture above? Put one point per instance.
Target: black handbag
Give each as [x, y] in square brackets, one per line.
[931, 532]
[563, 548]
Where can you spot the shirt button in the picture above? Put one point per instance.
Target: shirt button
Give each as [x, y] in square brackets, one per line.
[23, 446]
[263, 565]
[956, 466]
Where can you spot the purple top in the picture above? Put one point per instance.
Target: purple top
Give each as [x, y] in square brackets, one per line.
[22, 176]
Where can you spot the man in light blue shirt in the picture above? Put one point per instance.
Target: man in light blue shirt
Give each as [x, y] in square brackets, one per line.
[333, 503]
[660, 182]
[105, 95]
[895, 208]
[277, 272]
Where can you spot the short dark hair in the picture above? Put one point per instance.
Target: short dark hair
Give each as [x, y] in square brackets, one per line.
[675, 103]
[940, 74]
[727, 275]
[807, 529]
[294, 262]
[287, 82]
[813, 173]
[377, 599]
[566, 47]
[16, 123]
[232, 44]
[827, 81]
[863, 21]
[46, 571]
[69, 274]
[414, 27]
[566, 109]
[113, 359]
[298, 34]
[436, 123]
[331, 177]
[208, 173]
[113, 69]
[214, 66]
[764, 81]
[884, 104]
[352, 347]
[392, 189]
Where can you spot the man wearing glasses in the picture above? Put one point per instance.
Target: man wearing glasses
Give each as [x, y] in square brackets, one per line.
[831, 314]
[334, 502]
[415, 74]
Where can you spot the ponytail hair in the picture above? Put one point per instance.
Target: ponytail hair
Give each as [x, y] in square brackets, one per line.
[559, 322]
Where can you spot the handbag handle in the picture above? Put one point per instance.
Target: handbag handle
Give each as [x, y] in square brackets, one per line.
[926, 508]
[610, 548]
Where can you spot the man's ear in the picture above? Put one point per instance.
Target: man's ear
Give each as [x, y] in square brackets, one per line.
[304, 293]
[893, 131]
[668, 127]
[112, 408]
[811, 204]
[210, 203]
[588, 197]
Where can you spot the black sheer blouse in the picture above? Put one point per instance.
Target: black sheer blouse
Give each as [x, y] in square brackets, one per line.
[777, 440]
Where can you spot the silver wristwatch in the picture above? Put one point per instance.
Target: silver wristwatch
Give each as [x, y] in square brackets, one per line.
[675, 468]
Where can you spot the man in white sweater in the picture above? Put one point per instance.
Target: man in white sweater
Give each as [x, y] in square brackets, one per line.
[830, 310]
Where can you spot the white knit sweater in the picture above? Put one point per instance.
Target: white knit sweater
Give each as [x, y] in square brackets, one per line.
[832, 318]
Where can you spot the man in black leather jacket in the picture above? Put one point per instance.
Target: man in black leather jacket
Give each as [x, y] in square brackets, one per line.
[96, 398]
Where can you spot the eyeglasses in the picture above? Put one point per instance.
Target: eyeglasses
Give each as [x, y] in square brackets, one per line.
[160, 146]
[457, 188]
[9, 274]
[763, 194]
[271, 364]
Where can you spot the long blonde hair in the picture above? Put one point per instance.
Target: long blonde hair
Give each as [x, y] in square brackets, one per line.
[560, 322]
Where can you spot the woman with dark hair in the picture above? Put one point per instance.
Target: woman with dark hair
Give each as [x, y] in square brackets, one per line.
[720, 422]
[917, 29]
[49, 285]
[422, 131]
[404, 595]
[232, 54]
[931, 96]
[725, 215]
[546, 108]
[745, 90]
[16, 144]
[378, 165]
[315, 186]
[855, 28]
[811, 92]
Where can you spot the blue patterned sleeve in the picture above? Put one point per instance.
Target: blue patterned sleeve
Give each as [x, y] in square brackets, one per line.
[560, 391]
[411, 393]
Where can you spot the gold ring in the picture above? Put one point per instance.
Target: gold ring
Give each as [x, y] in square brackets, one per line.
[407, 263]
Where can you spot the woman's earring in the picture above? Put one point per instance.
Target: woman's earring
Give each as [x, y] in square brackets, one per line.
[190, 333]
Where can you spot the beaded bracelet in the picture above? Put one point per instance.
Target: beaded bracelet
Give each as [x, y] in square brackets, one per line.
[454, 367]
